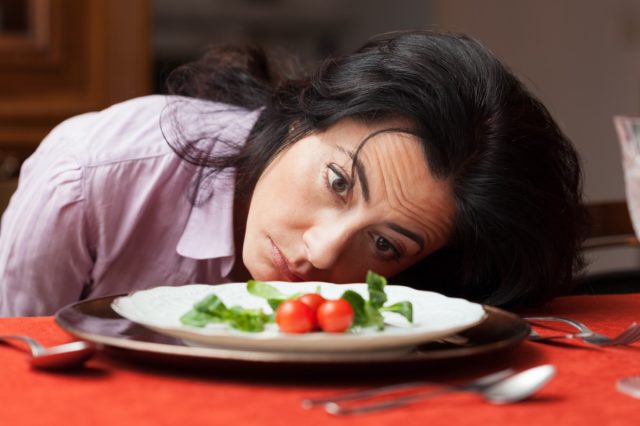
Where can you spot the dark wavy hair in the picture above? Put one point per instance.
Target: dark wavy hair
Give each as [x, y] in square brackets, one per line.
[515, 177]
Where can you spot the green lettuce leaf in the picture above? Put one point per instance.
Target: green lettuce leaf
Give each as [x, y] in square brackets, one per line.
[403, 308]
[357, 303]
[264, 290]
[376, 284]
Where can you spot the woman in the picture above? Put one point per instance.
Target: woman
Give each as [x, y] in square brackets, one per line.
[419, 156]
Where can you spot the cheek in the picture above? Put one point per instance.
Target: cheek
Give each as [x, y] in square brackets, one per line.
[290, 189]
[285, 196]
[357, 260]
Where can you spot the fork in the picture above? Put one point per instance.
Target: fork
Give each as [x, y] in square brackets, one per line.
[627, 336]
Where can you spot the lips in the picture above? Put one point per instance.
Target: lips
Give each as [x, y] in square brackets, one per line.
[282, 264]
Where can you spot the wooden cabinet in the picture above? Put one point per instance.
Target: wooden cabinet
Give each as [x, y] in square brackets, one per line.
[59, 58]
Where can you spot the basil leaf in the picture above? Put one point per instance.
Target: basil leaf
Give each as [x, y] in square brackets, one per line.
[357, 303]
[197, 319]
[374, 317]
[274, 303]
[211, 305]
[376, 284]
[264, 290]
[245, 319]
[403, 308]
[212, 309]
[274, 296]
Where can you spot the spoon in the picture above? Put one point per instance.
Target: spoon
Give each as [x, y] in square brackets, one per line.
[60, 357]
[513, 388]
[519, 386]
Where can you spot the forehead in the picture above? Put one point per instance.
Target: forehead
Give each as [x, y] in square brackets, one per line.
[388, 149]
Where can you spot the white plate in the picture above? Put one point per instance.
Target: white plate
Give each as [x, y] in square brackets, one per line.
[435, 316]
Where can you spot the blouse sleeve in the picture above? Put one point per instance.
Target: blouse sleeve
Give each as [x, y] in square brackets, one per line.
[45, 260]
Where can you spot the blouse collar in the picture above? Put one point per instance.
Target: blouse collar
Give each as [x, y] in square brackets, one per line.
[208, 233]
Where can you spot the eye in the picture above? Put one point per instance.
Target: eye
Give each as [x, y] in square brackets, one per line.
[385, 248]
[336, 181]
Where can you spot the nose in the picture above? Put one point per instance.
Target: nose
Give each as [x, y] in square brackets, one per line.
[325, 242]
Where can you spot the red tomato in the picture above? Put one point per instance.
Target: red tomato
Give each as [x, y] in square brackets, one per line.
[313, 301]
[293, 316]
[335, 316]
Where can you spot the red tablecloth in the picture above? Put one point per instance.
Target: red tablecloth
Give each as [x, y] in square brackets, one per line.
[113, 392]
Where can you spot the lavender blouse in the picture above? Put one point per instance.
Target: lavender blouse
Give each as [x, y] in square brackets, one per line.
[102, 206]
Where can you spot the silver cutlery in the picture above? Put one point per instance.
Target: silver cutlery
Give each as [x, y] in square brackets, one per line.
[629, 335]
[369, 393]
[499, 388]
[629, 386]
[65, 356]
[534, 336]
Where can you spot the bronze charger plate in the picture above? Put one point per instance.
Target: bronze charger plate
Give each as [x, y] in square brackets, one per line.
[94, 320]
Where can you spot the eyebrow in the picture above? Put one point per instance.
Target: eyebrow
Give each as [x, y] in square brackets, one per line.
[360, 170]
[409, 234]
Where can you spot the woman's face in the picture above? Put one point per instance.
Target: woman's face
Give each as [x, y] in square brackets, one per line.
[312, 219]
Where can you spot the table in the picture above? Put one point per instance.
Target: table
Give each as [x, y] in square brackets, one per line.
[114, 391]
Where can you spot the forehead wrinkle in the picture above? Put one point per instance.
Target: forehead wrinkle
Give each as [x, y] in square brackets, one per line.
[397, 196]
[411, 209]
[434, 226]
[359, 166]
[418, 214]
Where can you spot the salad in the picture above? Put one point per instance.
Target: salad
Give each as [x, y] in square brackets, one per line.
[302, 313]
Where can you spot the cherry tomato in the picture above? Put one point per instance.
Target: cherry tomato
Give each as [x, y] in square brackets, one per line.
[293, 316]
[313, 301]
[335, 316]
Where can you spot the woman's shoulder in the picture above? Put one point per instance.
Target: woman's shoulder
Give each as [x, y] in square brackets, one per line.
[141, 127]
[153, 105]
[146, 111]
